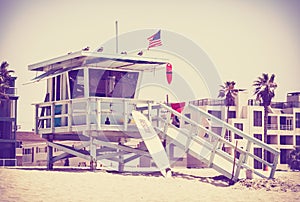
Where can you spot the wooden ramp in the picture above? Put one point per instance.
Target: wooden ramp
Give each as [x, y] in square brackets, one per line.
[208, 148]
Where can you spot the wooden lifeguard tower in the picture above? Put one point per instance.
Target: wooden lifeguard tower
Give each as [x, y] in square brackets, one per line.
[92, 97]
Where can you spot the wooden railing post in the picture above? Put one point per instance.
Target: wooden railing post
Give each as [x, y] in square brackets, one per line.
[37, 119]
[88, 114]
[125, 106]
[70, 115]
[52, 117]
[149, 111]
[275, 162]
[98, 113]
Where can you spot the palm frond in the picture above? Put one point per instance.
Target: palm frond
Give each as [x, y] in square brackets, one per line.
[227, 83]
[221, 93]
[227, 90]
[272, 78]
[4, 65]
[5, 78]
[264, 88]
[265, 77]
[223, 87]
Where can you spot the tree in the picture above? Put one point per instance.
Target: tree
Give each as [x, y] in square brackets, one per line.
[228, 91]
[265, 92]
[5, 79]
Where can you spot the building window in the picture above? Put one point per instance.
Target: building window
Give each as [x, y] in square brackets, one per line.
[231, 114]
[238, 126]
[258, 153]
[272, 123]
[257, 118]
[6, 128]
[27, 151]
[286, 139]
[272, 139]
[215, 113]
[76, 81]
[284, 154]
[109, 83]
[40, 150]
[258, 136]
[56, 88]
[286, 123]
[297, 140]
[297, 120]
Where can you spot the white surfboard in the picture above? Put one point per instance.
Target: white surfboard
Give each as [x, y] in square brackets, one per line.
[152, 143]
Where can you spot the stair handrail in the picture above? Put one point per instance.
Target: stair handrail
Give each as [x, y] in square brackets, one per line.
[229, 127]
[234, 129]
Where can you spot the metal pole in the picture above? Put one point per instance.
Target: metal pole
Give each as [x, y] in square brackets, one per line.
[117, 37]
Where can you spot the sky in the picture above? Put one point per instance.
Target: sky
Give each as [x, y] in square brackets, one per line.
[242, 38]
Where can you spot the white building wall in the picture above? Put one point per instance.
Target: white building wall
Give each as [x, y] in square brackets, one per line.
[283, 138]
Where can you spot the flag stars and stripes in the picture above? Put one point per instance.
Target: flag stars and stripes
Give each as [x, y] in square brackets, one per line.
[154, 40]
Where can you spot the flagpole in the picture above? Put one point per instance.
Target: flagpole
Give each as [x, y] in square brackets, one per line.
[117, 37]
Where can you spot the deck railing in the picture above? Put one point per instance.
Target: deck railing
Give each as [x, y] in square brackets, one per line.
[86, 114]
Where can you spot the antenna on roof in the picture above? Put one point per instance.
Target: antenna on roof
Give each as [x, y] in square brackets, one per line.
[117, 37]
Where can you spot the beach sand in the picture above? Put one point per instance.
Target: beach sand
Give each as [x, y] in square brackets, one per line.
[185, 185]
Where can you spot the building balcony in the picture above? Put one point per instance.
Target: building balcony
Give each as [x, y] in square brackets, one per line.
[276, 105]
[272, 127]
[11, 91]
[284, 105]
[208, 102]
[286, 127]
[254, 102]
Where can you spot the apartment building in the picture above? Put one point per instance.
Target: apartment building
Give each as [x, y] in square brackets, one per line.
[248, 116]
[8, 126]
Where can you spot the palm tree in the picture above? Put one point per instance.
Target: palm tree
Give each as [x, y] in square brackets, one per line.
[264, 91]
[5, 79]
[228, 91]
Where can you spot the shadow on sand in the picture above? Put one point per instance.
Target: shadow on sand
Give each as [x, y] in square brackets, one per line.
[218, 181]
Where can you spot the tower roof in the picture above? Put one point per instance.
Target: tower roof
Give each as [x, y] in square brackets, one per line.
[98, 59]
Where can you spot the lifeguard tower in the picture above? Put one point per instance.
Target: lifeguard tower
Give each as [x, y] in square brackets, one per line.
[92, 97]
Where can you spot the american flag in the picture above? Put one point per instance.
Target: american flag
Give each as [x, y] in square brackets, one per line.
[154, 40]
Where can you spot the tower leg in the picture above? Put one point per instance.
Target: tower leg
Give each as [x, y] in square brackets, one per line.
[121, 161]
[49, 157]
[167, 146]
[121, 164]
[93, 155]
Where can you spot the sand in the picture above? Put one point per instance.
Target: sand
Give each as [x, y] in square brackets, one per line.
[185, 185]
